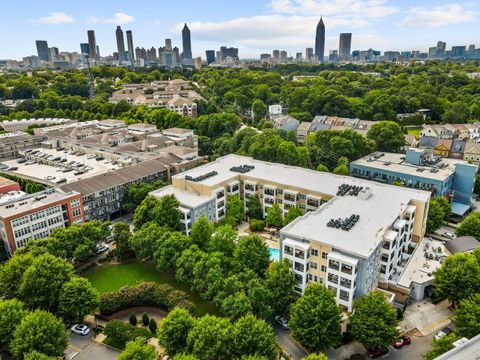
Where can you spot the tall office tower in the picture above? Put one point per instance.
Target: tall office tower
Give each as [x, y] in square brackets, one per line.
[471, 51]
[276, 55]
[298, 56]
[432, 52]
[459, 51]
[441, 48]
[320, 41]
[230, 52]
[218, 56]
[333, 56]
[131, 51]
[97, 49]
[53, 51]
[265, 57]
[187, 46]
[42, 50]
[92, 45]
[84, 48]
[176, 56]
[345, 46]
[153, 54]
[210, 56]
[168, 44]
[308, 54]
[120, 44]
[283, 56]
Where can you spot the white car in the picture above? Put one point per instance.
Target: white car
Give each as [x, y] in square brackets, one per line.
[442, 333]
[448, 235]
[282, 321]
[80, 329]
[102, 249]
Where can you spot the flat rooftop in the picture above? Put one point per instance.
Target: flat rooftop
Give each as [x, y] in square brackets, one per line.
[425, 259]
[187, 198]
[40, 172]
[34, 201]
[396, 163]
[293, 176]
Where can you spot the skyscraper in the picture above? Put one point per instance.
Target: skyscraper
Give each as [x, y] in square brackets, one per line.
[210, 56]
[320, 41]
[168, 44]
[345, 46]
[92, 44]
[42, 50]
[84, 48]
[187, 46]
[120, 44]
[441, 47]
[131, 51]
[308, 54]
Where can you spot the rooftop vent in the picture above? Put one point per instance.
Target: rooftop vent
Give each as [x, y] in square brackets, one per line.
[345, 224]
[242, 168]
[346, 189]
[201, 177]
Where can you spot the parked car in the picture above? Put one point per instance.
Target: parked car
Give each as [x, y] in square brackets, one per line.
[12, 168]
[404, 340]
[109, 239]
[49, 177]
[62, 180]
[21, 161]
[448, 235]
[442, 333]
[282, 321]
[30, 162]
[378, 351]
[102, 249]
[80, 329]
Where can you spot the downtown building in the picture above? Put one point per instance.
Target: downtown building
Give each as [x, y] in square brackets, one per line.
[354, 234]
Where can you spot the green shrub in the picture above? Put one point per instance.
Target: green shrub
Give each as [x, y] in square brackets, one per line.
[122, 332]
[145, 294]
[145, 319]
[256, 225]
[152, 325]
[133, 319]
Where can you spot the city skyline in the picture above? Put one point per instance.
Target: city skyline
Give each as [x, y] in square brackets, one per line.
[64, 26]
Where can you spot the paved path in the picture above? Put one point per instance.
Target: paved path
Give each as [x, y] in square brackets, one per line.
[84, 348]
[288, 344]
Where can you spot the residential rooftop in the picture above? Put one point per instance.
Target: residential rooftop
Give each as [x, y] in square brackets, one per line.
[188, 198]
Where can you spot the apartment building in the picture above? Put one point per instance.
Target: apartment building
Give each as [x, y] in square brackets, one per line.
[420, 169]
[373, 230]
[35, 216]
[12, 143]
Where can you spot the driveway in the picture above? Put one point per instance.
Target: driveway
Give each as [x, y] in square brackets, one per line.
[84, 348]
[287, 343]
[426, 317]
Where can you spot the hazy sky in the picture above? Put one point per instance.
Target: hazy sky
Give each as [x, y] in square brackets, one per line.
[254, 26]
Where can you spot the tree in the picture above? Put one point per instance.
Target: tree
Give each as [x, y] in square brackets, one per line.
[144, 212]
[374, 320]
[77, 299]
[11, 274]
[470, 226]
[253, 337]
[121, 236]
[185, 357]
[458, 277]
[259, 110]
[168, 248]
[164, 211]
[136, 193]
[132, 319]
[138, 350]
[292, 213]
[441, 346]
[223, 240]
[315, 357]
[467, 317]
[145, 319]
[40, 331]
[152, 326]
[174, 330]
[11, 314]
[143, 241]
[315, 318]
[251, 253]
[322, 168]
[235, 212]
[209, 338]
[236, 306]
[35, 355]
[42, 282]
[280, 283]
[274, 216]
[201, 232]
[388, 136]
[341, 169]
[255, 209]
[445, 205]
[436, 215]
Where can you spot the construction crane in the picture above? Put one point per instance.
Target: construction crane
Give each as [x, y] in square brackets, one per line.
[91, 82]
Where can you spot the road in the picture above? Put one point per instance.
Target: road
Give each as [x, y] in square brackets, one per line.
[84, 348]
[289, 345]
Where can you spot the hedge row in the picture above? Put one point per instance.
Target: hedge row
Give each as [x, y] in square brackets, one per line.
[123, 333]
[145, 294]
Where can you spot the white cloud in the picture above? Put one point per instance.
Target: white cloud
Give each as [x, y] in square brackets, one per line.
[118, 19]
[56, 18]
[438, 16]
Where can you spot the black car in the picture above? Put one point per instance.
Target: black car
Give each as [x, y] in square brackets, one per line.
[377, 351]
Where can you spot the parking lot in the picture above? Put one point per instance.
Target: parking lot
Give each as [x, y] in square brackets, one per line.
[84, 348]
[55, 167]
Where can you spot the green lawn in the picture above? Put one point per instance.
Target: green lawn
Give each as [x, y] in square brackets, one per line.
[111, 277]
[414, 131]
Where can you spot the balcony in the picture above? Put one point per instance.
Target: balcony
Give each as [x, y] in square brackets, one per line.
[313, 203]
[346, 283]
[288, 250]
[347, 269]
[269, 192]
[290, 198]
[334, 265]
[333, 278]
[220, 194]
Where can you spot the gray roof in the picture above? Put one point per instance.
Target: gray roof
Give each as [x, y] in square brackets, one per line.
[428, 142]
[458, 146]
[117, 177]
[468, 350]
[462, 244]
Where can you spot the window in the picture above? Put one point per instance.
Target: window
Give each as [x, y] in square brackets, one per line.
[75, 203]
[333, 278]
[288, 250]
[323, 268]
[289, 197]
[313, 265]
[314, 252]
[299, 254]
[333, 288]
[345, 282]
[335, 265]
[347, 269]
[299, 267]
[302, 196]
[279, 192]
[324, 255]
[344, 295]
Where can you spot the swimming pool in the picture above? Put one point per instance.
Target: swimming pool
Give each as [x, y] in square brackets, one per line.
[274, 254]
